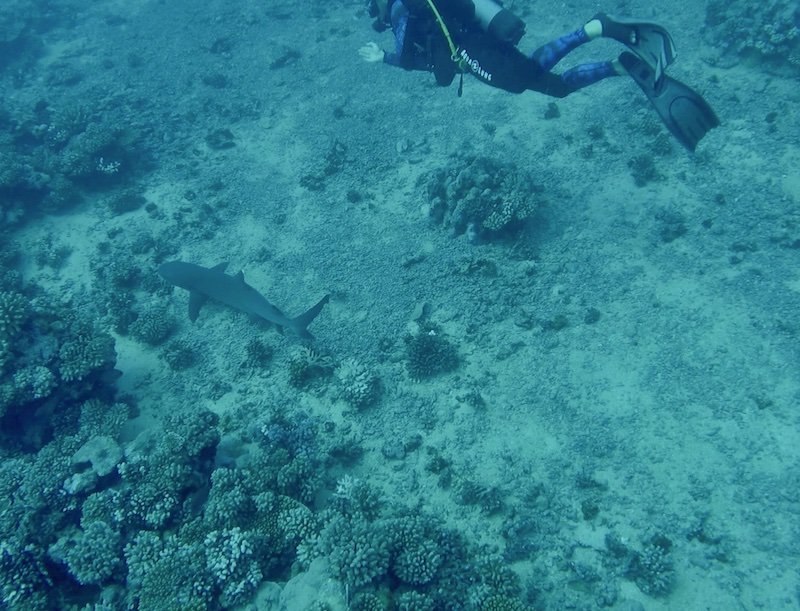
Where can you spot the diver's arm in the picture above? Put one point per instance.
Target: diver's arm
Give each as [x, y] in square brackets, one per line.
[405, 54]
[399, 27]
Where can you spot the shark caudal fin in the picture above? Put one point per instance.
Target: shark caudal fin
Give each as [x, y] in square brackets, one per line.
[300, 323]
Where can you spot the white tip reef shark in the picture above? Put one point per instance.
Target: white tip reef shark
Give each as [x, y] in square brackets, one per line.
[204, 283]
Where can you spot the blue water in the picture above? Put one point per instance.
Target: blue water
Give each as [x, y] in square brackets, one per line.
[559, 364]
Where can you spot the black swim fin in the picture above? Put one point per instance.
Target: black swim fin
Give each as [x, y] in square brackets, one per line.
[684, 111]
[648, 41]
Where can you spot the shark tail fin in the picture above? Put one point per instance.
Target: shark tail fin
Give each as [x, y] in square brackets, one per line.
[301, 322]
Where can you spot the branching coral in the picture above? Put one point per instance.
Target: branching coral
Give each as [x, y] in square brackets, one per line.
[416, 550]
[652, 570]
[164, 468]
[173, 580]
[153, 326]
[358, 551]
[13, 312]
[35, 382]
[50, 354]
[24, 580]
[85, 351]
[429, 353]
[91, 554]
[358, 385]
[770, 29]
[418, 564]
[230, 560]
[355, 497]
[229, 501]
[307, 365]
[98, 418]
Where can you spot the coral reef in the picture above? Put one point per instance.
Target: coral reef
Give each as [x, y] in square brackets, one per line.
[179, 532]
[770, 30]
[652, 569]
[91, 553]
[358, 385]
[414, 601]
[358, 551]
[52, 156]
[429, 353]
[52, 253]
[230, 561]
[51, 358]
[354, 497]
[229, 501]
[169, 575]
[418, 558]
[425, 565]
[153, 326]
[33, 383]
[257, 354]
[13, 312]
[170, 519]
[488, 498]
[24, 579]
[85, 351]
[481, 196]
[307, 366]
[368, 601]
[498, 602]
[163, 470]
[97, 418]
[179, 355]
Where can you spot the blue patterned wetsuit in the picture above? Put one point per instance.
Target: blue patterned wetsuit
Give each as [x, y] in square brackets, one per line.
[547, 56]
[495, 63]
[405, 55]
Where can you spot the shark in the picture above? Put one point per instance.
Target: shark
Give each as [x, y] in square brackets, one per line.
[204, 283]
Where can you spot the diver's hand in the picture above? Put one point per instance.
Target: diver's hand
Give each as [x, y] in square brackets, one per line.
[371, 53]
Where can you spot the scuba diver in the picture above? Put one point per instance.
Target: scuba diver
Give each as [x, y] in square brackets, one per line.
[480, 37]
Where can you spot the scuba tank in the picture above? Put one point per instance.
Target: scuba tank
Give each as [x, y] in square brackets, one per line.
[498, 22]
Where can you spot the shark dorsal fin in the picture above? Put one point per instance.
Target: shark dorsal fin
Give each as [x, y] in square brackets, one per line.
[240, 277]
[220, 267]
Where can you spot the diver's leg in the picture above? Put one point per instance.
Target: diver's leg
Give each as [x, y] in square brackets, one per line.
[561, 85]
[547, 56]
[589, 74]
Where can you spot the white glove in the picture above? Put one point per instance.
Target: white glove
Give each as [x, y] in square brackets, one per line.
[371, 53]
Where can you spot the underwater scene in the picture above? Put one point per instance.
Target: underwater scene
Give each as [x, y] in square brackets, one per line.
[399, 305]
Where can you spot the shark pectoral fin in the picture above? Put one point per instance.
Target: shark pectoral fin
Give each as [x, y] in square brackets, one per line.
[220, 267]
[196, 301]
